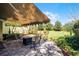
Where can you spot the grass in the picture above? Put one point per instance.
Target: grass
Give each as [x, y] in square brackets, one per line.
[57, 34]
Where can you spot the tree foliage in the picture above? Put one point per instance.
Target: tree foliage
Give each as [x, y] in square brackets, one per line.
[58, 26]
[40, 27]
[76, 28]
[68, 26]
[48, 26]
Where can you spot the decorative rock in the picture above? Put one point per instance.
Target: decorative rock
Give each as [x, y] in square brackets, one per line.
[47, 49]
[43, 51]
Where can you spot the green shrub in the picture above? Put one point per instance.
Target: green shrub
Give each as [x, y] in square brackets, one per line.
[62, 42]
[69, 43]
[76, 29]
[73, 42]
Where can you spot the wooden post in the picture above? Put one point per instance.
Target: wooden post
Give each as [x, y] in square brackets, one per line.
[1, 32]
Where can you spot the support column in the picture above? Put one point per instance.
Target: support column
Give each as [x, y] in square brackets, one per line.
[1, 32]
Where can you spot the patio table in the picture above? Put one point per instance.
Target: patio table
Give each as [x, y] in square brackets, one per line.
[28, 39]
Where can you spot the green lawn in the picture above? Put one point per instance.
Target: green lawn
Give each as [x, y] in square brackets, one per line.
[57, 34]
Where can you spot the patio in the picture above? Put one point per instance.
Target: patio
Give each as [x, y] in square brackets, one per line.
[16, 48]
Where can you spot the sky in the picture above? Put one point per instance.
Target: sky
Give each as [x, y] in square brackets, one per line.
[63, 12]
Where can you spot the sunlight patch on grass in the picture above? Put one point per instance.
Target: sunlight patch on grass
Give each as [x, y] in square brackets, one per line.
[57, 34]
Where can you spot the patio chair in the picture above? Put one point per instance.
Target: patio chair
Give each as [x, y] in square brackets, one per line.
[35, 41]
[33, 44]
[38, 39]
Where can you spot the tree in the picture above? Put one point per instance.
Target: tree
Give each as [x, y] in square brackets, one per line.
[40, 27]
[49, 26]
[57, 26]
[76, 28]
[68, 27]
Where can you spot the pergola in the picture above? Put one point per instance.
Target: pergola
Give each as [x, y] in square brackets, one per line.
[25, 14]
